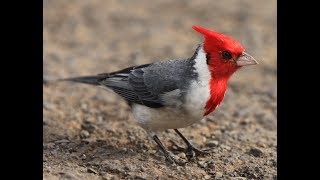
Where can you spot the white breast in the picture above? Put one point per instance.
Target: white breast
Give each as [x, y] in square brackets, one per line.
[199, 91]
[159, 119]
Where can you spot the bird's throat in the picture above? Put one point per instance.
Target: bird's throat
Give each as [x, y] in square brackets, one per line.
[218, 88]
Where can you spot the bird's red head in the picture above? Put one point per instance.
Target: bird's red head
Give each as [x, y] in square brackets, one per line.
[224, 56]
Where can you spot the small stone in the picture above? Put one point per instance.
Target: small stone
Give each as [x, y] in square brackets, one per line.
[179, 168]
[88, 127]
[182, 155]
[124, 149]
[225, 147]
[255, 152]
[130, 150]
[212, 143]
[219, 174]
[202, 164]
[207, 177]
[160, 158]
[213, 136]
[260, 144]
[48, 145]
[144, 146]
[230, 160]
[238, 178]
[204, 139]
[84, 134]
[84, 106]
[62, 141]
[151, 151]
[90, 170]
[132, 138]
[67, 175]
[210, 164]
[127, 168]
[143, 169]
[83, 157]
[100, 118]
[139, 177]
[108, 176]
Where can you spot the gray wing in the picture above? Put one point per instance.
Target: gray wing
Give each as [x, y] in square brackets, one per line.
[154, 85]
[119, 82]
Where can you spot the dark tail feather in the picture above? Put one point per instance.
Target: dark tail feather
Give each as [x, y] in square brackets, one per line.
[93, 80]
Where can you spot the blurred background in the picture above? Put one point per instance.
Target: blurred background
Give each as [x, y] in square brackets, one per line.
[90, 133]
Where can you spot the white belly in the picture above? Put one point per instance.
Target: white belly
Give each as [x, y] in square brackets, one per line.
[160, 119]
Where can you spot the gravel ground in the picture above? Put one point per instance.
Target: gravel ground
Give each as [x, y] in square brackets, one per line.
[89, 133]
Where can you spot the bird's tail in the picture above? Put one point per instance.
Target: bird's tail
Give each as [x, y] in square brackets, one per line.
[93, 80]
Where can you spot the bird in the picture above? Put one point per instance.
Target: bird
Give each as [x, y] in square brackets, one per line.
[177, 93]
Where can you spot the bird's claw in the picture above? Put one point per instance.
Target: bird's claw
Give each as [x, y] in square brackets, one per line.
[192, 152]
[170, 157]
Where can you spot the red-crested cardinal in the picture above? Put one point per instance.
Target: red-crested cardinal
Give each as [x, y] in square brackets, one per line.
[174, 94]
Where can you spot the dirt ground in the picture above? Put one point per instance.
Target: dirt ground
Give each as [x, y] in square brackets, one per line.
[89, 133]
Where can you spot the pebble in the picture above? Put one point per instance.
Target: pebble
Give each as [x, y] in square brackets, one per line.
[202, 164]
[84, 134]
[143, 169]
[225, 147]
[219, 174]
[83, 157]
[84, 106]
[124, 149]
[151, 151]
[207, 177]
[62, 141]
[238, 178]
[146, 146]
[49, 106]
[130, 150]
[261, 144]
[210, 164]
[139, 177]
[100, 118]
[67, 175]
[204, 139]
[48, 145]
[90, 170]
[182, 155]
[255, 152]
[179, 168]
[230, 160]
[132, 138]
[127, 168]
[213, 136]
[212, 143]
[108, 176]
[88, 127]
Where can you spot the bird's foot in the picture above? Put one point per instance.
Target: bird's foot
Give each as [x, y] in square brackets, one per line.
[191, 151]
[169, 156]
[172, 159]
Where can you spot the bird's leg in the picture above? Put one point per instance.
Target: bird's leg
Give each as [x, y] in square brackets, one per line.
[191, 150]
[166, 153]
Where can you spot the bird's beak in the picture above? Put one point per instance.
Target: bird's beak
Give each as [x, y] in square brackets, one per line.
[246, 60]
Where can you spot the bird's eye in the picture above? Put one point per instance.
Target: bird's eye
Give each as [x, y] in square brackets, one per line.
[226, 55]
